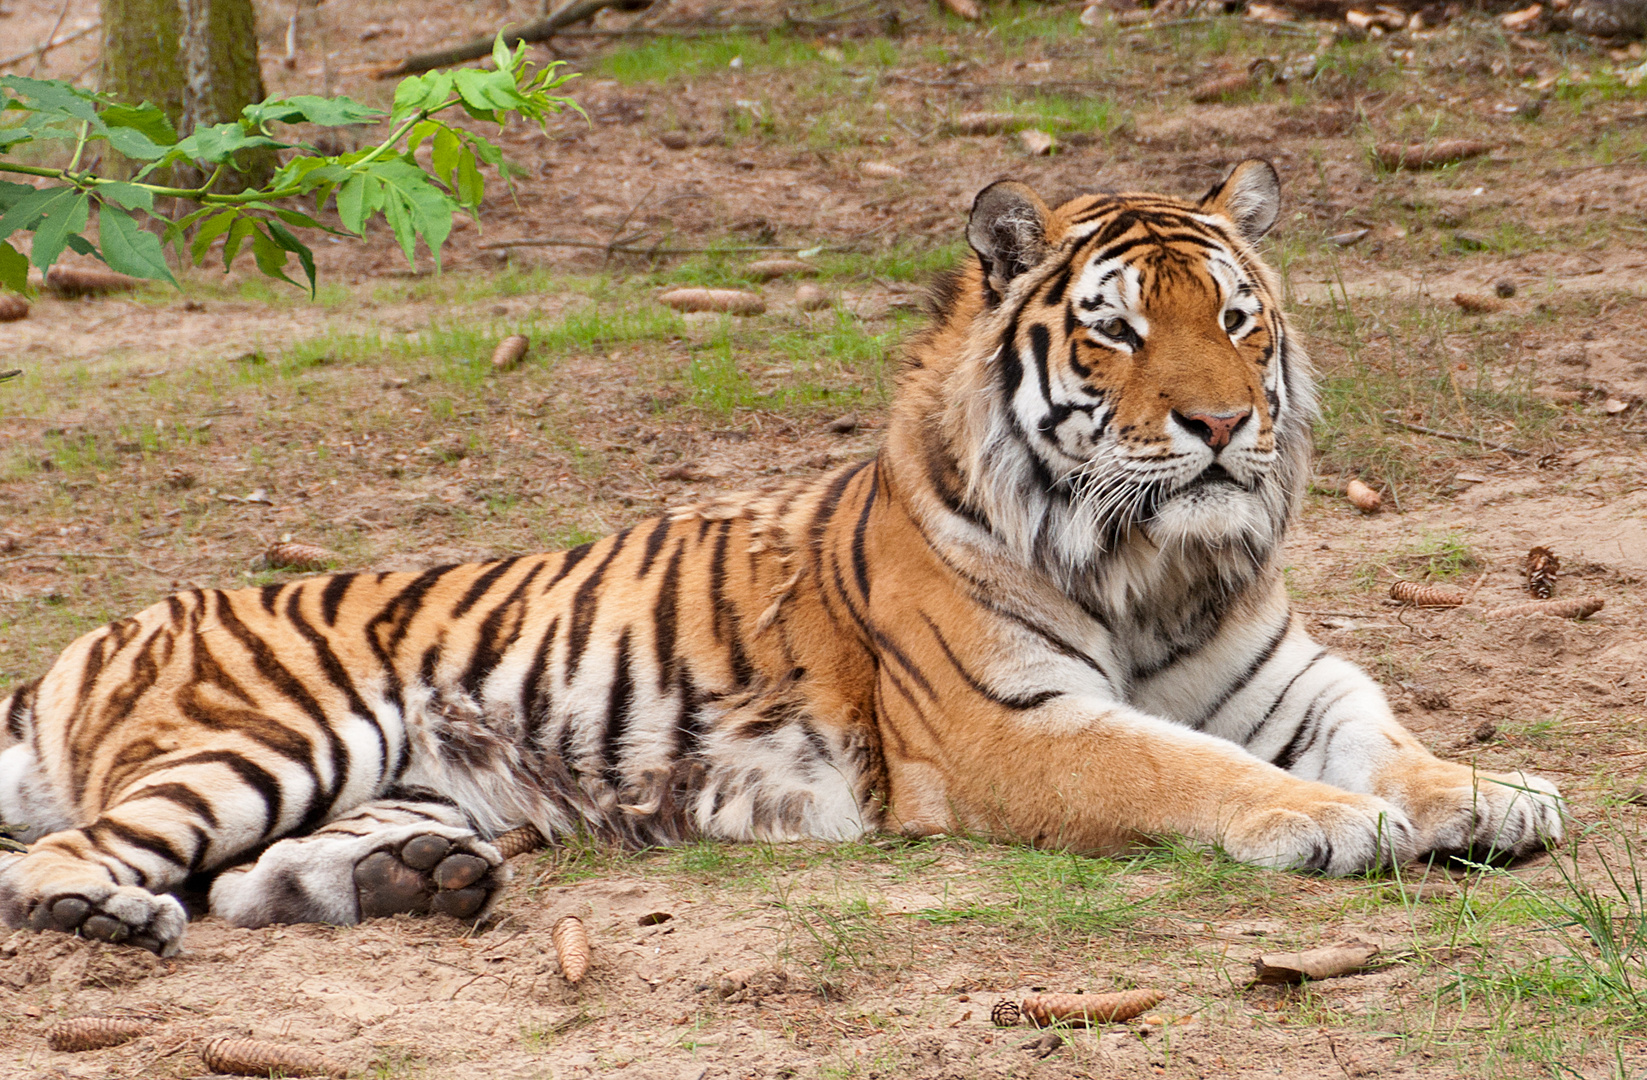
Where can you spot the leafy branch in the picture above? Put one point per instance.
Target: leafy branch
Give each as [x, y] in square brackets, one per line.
[384, 180]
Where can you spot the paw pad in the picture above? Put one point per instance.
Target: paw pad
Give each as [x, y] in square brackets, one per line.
[428, 875]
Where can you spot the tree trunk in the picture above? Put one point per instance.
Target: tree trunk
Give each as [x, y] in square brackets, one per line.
[140, 59]
[196, 59]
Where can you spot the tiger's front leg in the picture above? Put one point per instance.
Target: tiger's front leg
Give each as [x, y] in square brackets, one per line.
[1097, 776]
[1322, 718]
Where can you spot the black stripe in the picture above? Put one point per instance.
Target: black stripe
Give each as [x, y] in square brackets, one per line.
[137, 838]
[618, 704]
[690, 724]
[20, 705]
[336, 673]
[1282, 696]
[860, 560]
[490, 643]
[664, 614]
[1040, 346]
[1310, 723]
[1017, 702]
[826, 508]
[331, 597]
[573, 557]
[718, 604]
[654, 544]
[1060, 284]
[1251, 672]
[181, 794]
[398, 614]
[270, 595]
[585, 607]
[537, 699]
[478, 587]
[251, 774]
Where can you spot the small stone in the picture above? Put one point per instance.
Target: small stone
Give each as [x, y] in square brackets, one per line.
[843, 425]
[1484, 731]
[1348, 239]
[1613, 406]
[1504, 289]
[675, 140]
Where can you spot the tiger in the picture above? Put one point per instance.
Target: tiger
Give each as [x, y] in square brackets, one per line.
[1049, 610]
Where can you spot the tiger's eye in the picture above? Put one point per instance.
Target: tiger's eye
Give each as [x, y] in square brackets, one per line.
[1233, 319]
[1114, 328]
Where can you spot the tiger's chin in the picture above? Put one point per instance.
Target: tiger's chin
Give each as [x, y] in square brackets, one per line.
[1216, 516]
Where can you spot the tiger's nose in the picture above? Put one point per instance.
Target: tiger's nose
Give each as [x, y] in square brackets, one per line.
[1214, 429]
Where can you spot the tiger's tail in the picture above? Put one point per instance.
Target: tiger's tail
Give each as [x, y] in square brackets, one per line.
[17, 715]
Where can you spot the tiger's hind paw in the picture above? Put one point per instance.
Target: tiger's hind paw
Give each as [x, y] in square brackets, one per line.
[430, 874]
[121, 915]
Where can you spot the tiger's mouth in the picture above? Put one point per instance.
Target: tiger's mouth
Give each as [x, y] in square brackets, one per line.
[1213, 475]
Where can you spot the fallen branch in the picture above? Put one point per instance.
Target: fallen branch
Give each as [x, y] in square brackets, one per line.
[1455, 436]
[11, 373]
[41, 50]
[542, 30]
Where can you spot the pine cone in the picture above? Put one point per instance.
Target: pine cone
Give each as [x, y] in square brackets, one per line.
[1005, 1013]
[571, 947]
[95, 1032]
[510, 352]
[253, 1057]
[1082, 1009]
[288, 555]
[1542, 565]
[1411, 592]
[1580, 607]
[518, 841]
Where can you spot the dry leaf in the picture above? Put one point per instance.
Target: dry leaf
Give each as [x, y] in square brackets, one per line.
[966, 9]
[731, 301]
[1518, 21]
[1344, 958]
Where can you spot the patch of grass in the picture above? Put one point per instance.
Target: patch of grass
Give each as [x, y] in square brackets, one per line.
[1044, 894]
[1431, 556]
[1061, 113]
[667, 59]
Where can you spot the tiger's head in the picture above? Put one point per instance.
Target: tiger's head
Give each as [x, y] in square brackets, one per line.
[1116, 372]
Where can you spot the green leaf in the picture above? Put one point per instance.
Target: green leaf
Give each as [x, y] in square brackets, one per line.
[420, 92]
[10, 194]
[358, 199]
[129, 249]
[270, 256]
[65, 217]
[55, 98]
[146, 119]
[420, 132]
[446, 150]
[471, 187]
[292, 244]
[487, 89]
[327, 112]
[415, 207]
[81, 246]
[500, 55]
[216, 143]
[131, 196]
[14, 270]
[29, 207]
[210, 231]
[241, 229]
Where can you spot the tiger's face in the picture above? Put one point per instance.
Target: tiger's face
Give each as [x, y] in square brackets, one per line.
[1142, 362]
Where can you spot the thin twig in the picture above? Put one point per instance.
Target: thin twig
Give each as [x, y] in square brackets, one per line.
[1456, 436]
[40, 50]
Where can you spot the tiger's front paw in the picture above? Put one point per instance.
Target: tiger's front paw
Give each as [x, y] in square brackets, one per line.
[1486, 815]
[121, 915]
[1326, 831]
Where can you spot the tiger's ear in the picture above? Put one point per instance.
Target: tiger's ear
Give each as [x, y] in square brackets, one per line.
[1008, 230]
[1249, 198]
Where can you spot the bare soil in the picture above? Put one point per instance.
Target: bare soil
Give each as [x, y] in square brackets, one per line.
[168, 437]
